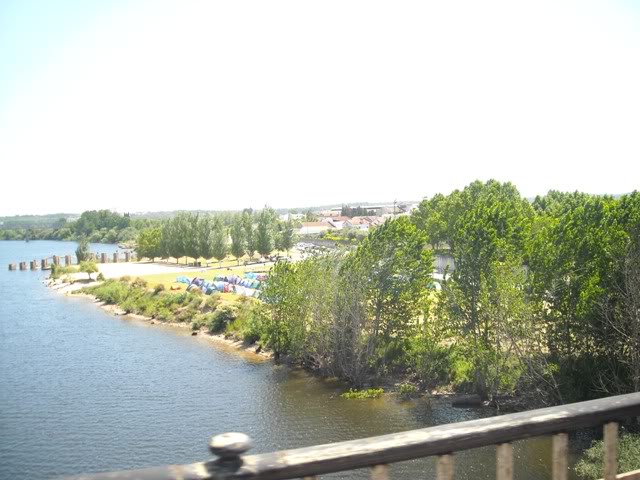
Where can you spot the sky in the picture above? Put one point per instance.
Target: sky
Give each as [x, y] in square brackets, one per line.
[164, 105]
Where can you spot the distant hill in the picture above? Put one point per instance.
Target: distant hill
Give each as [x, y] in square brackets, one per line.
[36, 221]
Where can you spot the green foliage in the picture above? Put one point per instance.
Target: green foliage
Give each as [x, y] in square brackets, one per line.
[360, 394]
[351, 212]
[591, 465]
[238, 242]
[82, 252]
[221, 318]
[149, 243]
[57, 271]
[407, 390]
[88, 267]
[395, 267]
[139, 283]
[264, 231]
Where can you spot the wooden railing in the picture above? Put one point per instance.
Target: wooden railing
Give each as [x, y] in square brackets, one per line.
[441, 441]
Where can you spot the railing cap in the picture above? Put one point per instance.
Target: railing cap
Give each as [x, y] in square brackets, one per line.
[230, 445]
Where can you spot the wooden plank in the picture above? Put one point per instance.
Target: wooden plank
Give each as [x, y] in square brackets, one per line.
[504, 462]
[397, 447]
[444, 467]
[610, 451]
[560, 447]
[380, 472]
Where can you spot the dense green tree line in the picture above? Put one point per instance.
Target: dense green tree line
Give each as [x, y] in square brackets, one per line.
[99, 226]
[544, 298]
[209, 236]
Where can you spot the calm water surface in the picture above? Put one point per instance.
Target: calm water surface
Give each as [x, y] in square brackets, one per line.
[84, 391]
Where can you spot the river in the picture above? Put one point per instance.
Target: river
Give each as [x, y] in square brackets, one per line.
[84, 391]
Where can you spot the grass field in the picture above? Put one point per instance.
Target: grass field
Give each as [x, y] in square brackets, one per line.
[169, 279]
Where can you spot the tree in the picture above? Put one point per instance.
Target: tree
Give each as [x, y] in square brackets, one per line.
[191, 230]
[309, 216]
[237, 238]
[287, 236]
[490, 225]
[149, 243]
[219, 242]
[82, 252]
[396, 268]
[88, 267]
[264, 231]
[175, 236]
[249, 232]
[205, 237]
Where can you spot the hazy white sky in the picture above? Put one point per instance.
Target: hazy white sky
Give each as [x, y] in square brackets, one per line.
[158, 105]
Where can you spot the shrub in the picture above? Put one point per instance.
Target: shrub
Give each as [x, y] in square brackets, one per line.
[212, 302]
[221, 318]
[110, 292]
[158, 288]
[163, 314]
[368, 393]
[201, 320]
[100, 277]
[408, 390]
[82, 252]
[185, 314]
[139, 283]
[58, 271]
[125, 279]
[249, 324]
[591, 465]
[432, 363]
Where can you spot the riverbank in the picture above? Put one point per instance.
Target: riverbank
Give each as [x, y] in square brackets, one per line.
[233, 336]
[116, 311]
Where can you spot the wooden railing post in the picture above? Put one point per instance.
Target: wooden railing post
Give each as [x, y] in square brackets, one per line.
[504, 462]
[610, 450]
[560, 452]
[229, 447]
[444, 467]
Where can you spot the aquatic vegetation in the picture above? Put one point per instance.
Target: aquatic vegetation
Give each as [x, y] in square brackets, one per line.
[358, 394]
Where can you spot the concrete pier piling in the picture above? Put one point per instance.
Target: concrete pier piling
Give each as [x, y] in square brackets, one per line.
[12, 267]
[127, 257]
[67, 260]
[115, 257]
[103, 258]
[56, 260]
[33, 265]
[44, 263]
[23, 265]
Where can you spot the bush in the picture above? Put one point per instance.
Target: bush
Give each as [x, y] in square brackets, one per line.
[249, 324]
[591, 465]
[125, 279]
[58, 271]
[158, 288]
[139, 283]
[201, 320]
[82, 252]
[432, 363]
[100, 277]
[221, 318]
[111, 292]
[408, 390]
[212, 302]
[368, 393]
